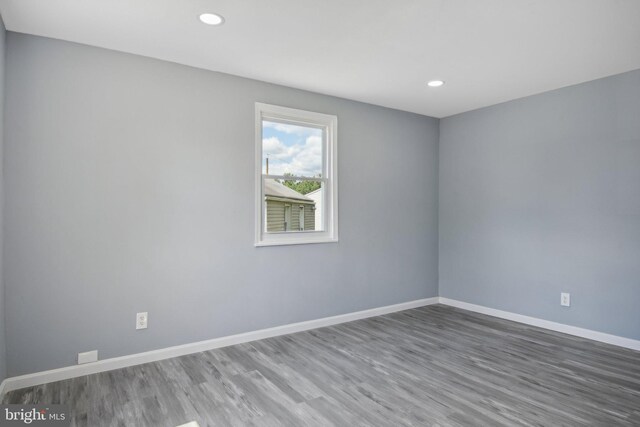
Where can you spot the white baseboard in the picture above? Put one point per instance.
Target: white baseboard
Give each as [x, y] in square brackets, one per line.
[68, 372]
[546, 324]
[44, 377]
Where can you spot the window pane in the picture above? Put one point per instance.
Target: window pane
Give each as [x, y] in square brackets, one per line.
[291, 150]
[293, 205]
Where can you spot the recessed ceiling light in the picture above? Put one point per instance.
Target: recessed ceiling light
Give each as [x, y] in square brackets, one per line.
[211, 19]
[435, 83]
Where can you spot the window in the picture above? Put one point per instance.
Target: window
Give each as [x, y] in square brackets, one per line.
[296, 176]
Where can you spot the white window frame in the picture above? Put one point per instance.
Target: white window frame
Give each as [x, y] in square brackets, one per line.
[329, 124]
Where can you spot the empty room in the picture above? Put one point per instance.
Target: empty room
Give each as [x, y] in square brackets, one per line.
[319, 213]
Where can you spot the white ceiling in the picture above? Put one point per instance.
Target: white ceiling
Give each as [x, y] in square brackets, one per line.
[375, 51]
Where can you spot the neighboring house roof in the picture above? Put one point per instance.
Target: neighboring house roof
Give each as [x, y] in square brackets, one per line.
[273, 188]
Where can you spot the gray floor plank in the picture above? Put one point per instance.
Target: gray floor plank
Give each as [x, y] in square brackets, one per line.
[431, 366]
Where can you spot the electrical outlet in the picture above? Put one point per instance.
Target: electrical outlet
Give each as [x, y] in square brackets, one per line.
[88, 357]
[141, 320]
[565, 299]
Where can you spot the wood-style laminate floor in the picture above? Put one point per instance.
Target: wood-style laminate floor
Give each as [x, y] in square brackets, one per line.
[434, 365]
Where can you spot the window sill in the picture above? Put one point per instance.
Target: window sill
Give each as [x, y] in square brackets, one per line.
[294, 242]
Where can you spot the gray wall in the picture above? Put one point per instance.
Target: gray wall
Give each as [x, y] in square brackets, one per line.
[3, 350]
[542, 195]
[129, 187]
